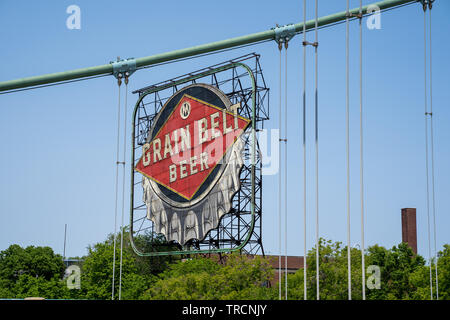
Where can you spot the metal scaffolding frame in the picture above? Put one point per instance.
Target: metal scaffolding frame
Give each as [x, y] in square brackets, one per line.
[235, 226]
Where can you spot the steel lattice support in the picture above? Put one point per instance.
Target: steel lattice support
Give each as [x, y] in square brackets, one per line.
[236, 84]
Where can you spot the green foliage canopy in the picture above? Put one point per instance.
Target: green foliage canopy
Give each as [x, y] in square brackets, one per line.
[239, 277]
[38, 271]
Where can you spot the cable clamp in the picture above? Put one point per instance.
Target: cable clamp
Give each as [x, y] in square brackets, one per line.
[354, 15]
[283, 140]
[429, 114]
[284, 34]
[307, 43]
[123, 68]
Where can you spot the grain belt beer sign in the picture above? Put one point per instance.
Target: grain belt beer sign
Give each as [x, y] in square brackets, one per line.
[191, 162]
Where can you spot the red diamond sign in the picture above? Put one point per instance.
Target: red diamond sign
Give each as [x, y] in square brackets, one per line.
[194, 138]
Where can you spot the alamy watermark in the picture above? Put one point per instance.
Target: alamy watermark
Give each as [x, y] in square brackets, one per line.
[73, 280]
[74, 19]
[374, 280]
[374, 20]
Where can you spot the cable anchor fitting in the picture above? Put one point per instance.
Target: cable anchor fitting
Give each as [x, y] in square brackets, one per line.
[426, 3]
[284, 34]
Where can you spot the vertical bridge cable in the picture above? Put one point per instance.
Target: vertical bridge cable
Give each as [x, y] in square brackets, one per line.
[316, 103]
[304, 151]
[430, 5]
[119, 82]
[280, 40]
[279, 182]
[348, 157]
[363, 268]
[426, 142]
[285, 169]
[315, 44]
[123, 181]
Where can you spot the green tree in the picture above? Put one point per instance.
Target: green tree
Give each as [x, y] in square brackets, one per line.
[239, 277]
[97, 271]
[403, 274]
[38, 271]
[396, 265]
[421, 278]
[29, 286]
[31, 271]
[444, 272]
[333, 274]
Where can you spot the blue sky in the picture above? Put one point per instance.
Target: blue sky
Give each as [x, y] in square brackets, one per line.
[57, 161]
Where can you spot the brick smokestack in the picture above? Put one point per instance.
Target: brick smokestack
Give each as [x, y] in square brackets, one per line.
[409, 228]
